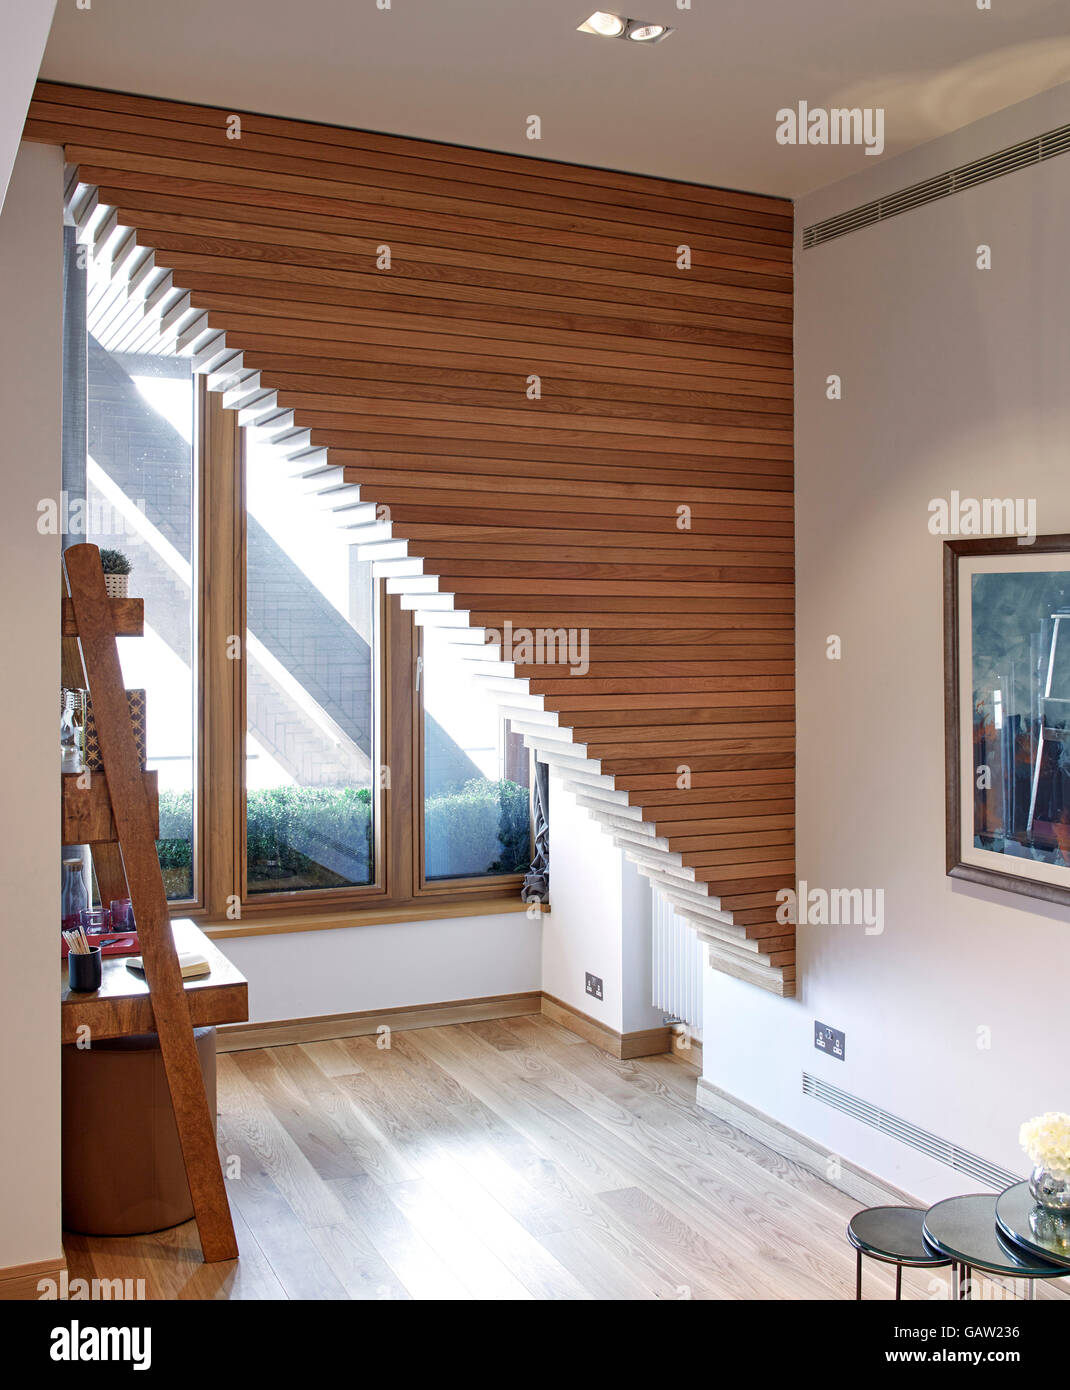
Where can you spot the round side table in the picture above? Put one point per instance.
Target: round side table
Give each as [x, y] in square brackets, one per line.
[1041, 1232]
[964, 1229]
[893, 1235]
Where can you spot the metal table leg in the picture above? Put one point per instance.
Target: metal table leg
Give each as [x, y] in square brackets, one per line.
[898, 1283]
[858, 1275]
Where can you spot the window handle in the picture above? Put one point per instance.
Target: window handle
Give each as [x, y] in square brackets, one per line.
[419, 672]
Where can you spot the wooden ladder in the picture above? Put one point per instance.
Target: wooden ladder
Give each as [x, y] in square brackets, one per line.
[129, 866]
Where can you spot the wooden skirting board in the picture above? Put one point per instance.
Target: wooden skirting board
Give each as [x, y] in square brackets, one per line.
[688, 1055]
[857, 1182]
[242, 1037]
[647, 1043]
[20, 1283]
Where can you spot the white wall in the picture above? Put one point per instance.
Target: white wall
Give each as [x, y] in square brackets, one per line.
[952, 378]
[25, 25]
[350, 970]
[31, 261]
[600, 921]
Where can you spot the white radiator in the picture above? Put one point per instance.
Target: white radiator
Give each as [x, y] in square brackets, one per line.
[677, 965]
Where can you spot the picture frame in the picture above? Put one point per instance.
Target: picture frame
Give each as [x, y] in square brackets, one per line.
[1007, 713]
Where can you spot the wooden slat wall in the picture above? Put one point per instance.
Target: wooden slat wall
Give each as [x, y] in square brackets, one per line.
[661, 388]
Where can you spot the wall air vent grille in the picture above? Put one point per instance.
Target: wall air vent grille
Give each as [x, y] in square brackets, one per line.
[992, 166]
[943, 1150]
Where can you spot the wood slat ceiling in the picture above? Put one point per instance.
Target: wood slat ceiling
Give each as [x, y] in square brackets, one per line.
[405, 388]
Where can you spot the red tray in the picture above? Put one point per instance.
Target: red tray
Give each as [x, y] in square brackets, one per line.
[119, 943]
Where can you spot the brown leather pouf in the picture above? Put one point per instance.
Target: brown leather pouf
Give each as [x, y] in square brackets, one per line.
[122, 1162]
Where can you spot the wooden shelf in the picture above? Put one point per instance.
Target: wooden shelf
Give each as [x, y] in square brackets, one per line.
[114, 813]
[123, 1004]
[86, 817]
[128, 615]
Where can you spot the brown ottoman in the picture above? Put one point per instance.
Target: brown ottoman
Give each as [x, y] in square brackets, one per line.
[122, 1163]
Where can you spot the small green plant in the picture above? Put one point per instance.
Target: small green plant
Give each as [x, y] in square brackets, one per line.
[115, 562]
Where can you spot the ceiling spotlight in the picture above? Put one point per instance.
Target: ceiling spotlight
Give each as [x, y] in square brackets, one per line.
[610, 26]
[613, 26]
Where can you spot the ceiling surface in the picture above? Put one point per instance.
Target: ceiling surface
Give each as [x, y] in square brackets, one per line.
[701, 105]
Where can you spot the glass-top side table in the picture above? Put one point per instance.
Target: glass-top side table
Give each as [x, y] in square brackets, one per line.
[892, 1235]
[964, 1229]
[1041, 1232]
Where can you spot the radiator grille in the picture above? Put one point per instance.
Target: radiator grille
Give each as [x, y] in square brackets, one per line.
[677, 965]
[990, 166]
[943, 1150]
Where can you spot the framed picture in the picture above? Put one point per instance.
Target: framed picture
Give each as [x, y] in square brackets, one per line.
[1007, 713]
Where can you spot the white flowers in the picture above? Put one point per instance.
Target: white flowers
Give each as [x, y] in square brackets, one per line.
[1046, 1140]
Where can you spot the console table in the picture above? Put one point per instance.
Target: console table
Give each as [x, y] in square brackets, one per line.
[123, 1004]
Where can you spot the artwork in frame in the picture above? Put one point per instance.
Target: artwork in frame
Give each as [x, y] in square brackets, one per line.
[1007, 713]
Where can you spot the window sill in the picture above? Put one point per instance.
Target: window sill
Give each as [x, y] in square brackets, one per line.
[423, 911]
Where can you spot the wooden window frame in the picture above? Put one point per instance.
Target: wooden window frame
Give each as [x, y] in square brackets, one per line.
[222, 903]
[194, 906]
[477, 885]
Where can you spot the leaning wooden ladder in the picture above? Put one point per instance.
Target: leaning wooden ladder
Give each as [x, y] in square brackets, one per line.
[131, 867]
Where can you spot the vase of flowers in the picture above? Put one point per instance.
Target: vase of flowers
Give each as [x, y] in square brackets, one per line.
[1046, 1140]
[116, 567]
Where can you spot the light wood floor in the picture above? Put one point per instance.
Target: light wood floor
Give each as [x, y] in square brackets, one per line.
[503, 1160]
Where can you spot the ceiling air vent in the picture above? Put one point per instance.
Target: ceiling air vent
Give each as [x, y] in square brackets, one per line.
[943, 1150]
[992, 166]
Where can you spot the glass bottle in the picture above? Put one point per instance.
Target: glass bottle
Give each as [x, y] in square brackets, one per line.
[74, 899]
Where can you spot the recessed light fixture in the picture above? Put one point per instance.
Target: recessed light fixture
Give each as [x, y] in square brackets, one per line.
[615, 26]
[609, 26]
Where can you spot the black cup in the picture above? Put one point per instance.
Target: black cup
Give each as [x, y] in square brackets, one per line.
[84, 972]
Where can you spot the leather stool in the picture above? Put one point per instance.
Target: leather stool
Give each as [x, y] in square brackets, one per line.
[122, 1162]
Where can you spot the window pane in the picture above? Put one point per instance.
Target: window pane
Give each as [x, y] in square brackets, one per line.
[139, 488]
[476, 775]
[309, 671]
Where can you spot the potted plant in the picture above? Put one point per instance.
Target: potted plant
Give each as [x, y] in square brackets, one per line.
[116, 567]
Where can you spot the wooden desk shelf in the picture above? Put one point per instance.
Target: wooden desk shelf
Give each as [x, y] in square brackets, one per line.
[127, 614]
[127, 864]
[123, 1004]
[86, 811]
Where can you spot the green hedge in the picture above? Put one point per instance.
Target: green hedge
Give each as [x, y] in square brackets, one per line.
[322, 836]
[307, 831]
[481, 829]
